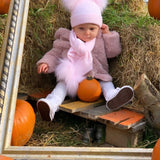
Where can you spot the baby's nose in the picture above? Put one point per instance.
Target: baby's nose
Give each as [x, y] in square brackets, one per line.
[87, 31]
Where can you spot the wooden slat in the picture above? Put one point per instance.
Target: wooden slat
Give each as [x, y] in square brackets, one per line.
[80, 106]
[123, 118]
[116, 117]
[93, 113]
[132, 121]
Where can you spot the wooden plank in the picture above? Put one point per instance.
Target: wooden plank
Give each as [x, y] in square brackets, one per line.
[123, 118]
[137, 118]
[80, 106]
[93, 113]
[116, 117]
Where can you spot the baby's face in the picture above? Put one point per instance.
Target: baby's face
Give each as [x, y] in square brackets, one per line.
[86, 32]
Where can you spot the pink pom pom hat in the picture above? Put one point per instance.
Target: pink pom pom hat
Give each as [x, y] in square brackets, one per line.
[85, 11]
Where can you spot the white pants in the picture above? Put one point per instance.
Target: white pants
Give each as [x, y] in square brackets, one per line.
[108, 90]
[57, 96]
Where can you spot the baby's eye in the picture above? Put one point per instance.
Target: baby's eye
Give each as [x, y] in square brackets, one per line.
[91, 29]
[81, 28]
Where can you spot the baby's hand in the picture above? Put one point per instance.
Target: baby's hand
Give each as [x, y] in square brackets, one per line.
[105, 29]
[42, 68]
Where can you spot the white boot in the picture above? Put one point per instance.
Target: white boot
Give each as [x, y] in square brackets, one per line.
[108, 90]
[118, 97]
[49, 105]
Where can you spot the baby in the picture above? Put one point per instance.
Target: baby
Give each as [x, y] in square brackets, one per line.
[79, 53]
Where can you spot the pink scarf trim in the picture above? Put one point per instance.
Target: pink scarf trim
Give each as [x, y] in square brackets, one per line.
[79, 61]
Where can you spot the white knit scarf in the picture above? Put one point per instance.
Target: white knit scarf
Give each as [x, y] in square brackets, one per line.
[79, 61]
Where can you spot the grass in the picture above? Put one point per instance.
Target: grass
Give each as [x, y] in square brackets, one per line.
[43, 14]
[150, 138]
[65, 130]
[118, 16]
[68, 130]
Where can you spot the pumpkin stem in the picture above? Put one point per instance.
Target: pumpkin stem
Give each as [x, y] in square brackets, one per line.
[89, 78]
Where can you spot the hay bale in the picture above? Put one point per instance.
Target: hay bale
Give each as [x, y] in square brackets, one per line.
[140, 54]
[3, 21]
[136, 6]
[45, 17]
[140, 47]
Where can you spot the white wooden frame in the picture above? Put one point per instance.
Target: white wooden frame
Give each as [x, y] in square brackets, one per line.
[10, 67]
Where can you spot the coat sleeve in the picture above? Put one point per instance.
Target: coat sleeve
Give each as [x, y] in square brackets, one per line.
[59, 45]
[50, 58]
[112, 44]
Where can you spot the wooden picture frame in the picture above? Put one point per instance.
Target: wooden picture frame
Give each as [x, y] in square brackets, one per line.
[10, 67]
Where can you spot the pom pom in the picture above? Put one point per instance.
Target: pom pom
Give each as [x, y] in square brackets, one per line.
[101, 3]
[70, 4]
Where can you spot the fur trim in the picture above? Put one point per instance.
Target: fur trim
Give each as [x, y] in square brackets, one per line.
[66, 72]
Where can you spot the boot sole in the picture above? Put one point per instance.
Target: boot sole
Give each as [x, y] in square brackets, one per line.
[124, 96]
[44, 111]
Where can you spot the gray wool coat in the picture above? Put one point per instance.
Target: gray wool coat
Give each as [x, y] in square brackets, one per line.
[106, 46]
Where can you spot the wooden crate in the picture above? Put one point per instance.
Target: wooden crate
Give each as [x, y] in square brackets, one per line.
[124, 137]
[124, 128]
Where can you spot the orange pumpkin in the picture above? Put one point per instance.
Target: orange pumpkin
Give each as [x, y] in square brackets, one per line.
[156, 151]
[4, 6]
[5, 158]
[89, 90]
[154, 8]
[23, 125]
